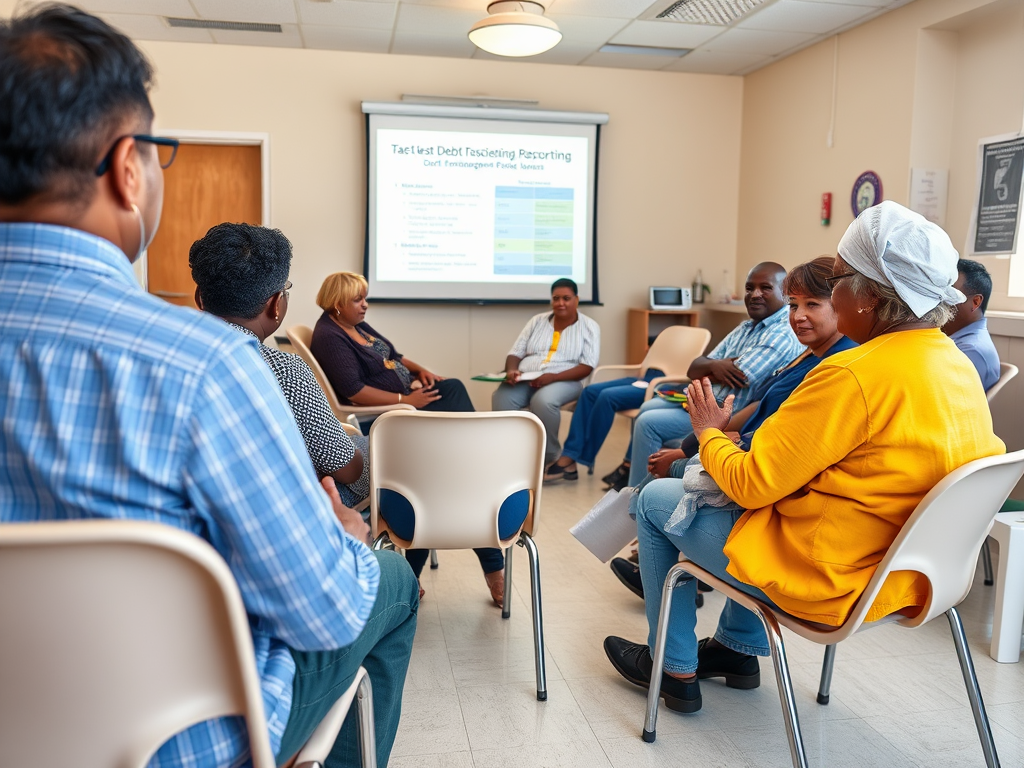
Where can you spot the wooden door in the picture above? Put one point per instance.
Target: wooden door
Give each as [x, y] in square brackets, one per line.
[207, 184]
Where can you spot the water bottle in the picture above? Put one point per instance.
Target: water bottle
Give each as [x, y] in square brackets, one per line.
[698, 288]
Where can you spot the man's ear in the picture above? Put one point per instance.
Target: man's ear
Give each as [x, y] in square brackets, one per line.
[976, 301]
[125, 174]
[199, 298]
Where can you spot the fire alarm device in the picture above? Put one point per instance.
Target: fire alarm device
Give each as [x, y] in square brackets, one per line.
[826, 208]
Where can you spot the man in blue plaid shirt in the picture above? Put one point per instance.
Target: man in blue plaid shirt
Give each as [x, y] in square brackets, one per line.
[118, 405]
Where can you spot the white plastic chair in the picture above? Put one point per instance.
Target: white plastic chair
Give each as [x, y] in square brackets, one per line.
[300, 337]
[940, 540]
[116, 635]
[671, 353]
[1006, 372]
[456, 470]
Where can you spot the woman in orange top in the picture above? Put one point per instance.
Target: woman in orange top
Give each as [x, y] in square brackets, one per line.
[831, 478]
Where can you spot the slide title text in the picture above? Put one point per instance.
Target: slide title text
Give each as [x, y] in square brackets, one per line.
[440, 150]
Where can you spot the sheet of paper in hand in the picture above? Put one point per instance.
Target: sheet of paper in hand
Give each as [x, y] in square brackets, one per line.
[607, 527]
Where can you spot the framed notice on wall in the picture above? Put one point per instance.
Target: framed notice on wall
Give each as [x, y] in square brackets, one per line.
[995, 219]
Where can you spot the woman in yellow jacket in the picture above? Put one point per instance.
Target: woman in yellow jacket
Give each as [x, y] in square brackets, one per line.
[831, 478]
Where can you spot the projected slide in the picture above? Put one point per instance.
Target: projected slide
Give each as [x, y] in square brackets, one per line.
[462, 207]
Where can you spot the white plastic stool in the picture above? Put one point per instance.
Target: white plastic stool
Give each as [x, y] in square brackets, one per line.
[1008, 618]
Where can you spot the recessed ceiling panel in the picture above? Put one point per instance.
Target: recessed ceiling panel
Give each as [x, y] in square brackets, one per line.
[139, 7]
[436, 20]
[267, 11]
[432, 45]
[670, 34]
[346, 39]
[706, 62]
[587, 30]
[348, 13]
[800, 16]
[613, 9]
[626, 61]
[756, 41]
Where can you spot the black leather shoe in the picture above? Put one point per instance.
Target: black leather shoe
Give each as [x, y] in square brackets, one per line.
[619, 473]
[633, 662]
[738, 669]
[629, 575]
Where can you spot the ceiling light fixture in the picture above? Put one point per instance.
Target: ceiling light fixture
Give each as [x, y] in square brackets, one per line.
[515, 28]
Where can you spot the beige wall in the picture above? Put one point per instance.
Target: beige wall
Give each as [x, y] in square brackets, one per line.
[915, 86]
[669, 172]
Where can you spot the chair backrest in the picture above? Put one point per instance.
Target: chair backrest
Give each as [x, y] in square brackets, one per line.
[114, 636]
[301, 336]
[1006, 372]
[675, 348]
[464, 476]
[944, 534]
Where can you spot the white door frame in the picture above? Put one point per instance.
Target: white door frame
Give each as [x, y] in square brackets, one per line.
[262, 140]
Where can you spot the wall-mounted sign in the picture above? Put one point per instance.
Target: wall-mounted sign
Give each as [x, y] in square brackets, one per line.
[996, 216]
[867, 191]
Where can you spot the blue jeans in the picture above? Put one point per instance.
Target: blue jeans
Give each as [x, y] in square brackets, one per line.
[383, 647]
[594, 414]
[738, 628]
[659, 421]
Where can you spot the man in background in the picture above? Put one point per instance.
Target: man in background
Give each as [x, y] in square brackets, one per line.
[118, 405]
[968, 329]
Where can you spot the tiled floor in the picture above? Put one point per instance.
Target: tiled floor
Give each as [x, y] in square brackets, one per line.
[470, 698]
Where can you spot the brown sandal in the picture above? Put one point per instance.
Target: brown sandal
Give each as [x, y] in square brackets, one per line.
[496, 583]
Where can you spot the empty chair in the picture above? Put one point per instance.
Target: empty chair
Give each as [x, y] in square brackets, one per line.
[459, 481]
[300, 336]
[940, 540]
[1006, 372]
[118, 634]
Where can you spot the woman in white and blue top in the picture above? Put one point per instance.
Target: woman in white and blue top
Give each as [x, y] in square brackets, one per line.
[563, 347]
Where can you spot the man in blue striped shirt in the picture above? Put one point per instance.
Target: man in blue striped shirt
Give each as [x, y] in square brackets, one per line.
[118, 405]
[740, 365]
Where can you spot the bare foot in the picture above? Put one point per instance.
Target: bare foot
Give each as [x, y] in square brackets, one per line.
[496, 583]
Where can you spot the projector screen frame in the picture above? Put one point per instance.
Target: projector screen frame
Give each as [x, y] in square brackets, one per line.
[483, 112]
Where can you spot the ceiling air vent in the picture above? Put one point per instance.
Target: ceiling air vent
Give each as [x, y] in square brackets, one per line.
[715, 12]
[235, 26]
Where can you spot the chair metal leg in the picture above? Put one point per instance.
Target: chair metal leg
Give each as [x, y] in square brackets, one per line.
[590, 469]
[433, 559]
[506, 601]
[654, 691]
[367, 730]
[826, 674]
[525, 540]
[986, 562]
[963, 653]
[382, 541]
[785, 682]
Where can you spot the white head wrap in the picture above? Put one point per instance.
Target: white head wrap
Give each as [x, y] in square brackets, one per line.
[901, 249]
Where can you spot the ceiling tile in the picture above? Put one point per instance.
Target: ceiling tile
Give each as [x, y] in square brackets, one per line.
[613, 9]
[800, 16]
[179, 8]
[436, 20]
[479, 7]
[756, 41]
[587, 30]
[348, 13]
[709, 63]
[346, 39]
[153, 28]
[432, 45]
[666, 34]
[872, 3]
[560, 54]
[288, 37]
[265, 11]
[626, 61]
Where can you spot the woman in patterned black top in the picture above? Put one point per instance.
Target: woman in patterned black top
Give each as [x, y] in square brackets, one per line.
[241, 275]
